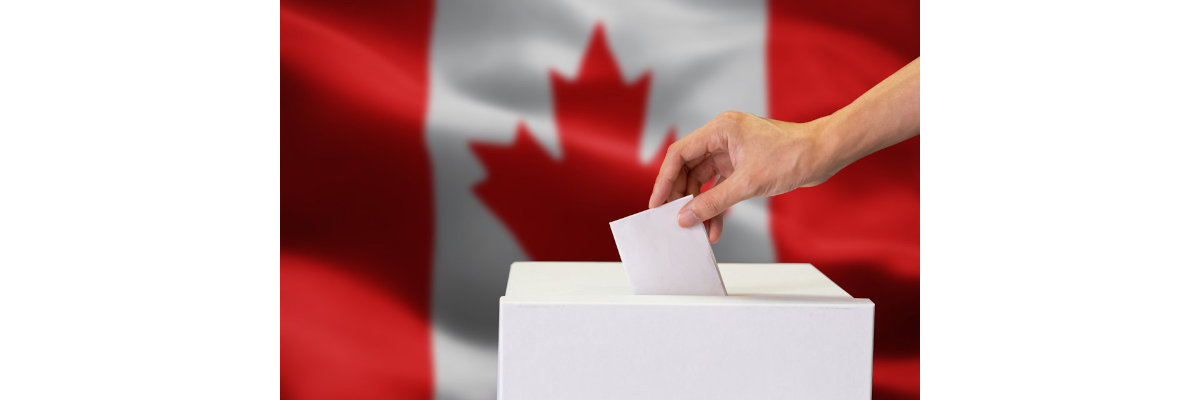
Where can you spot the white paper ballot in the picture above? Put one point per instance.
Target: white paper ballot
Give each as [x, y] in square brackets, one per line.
[662, 258]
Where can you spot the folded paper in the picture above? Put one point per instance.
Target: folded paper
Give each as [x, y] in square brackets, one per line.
[660, 257]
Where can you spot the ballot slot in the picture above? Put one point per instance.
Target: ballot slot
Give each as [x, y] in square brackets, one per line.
[662, 258]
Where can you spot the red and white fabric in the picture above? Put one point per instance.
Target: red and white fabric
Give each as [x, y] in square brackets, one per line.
[425, 146]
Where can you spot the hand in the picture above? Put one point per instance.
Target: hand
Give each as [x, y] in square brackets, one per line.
[749, 156]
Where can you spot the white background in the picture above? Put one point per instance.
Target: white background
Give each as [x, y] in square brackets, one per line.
[139, 199]
[1060, 209]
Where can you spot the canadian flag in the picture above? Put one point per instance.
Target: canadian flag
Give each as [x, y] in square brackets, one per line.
[425, 147]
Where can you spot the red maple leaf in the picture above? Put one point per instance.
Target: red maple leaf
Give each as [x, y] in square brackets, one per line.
[559, 209]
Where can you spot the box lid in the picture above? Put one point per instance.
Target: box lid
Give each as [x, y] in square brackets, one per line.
[608, 279]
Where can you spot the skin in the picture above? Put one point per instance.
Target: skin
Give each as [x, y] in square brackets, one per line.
[751, 156]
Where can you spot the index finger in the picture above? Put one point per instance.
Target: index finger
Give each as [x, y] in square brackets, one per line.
[690, 147]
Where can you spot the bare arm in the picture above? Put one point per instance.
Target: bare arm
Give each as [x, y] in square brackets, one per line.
[751, 156]
[887, 114]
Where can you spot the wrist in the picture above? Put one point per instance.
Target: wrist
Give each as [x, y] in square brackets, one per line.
[830, 148]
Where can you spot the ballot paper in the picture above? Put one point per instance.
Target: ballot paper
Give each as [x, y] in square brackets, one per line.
[660, 257]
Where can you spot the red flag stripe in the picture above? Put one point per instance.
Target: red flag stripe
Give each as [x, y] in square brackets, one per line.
[356, 200]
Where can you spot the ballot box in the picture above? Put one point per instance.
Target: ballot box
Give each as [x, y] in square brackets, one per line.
[784, 331]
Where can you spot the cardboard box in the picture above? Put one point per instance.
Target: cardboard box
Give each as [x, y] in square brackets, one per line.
[785, 331]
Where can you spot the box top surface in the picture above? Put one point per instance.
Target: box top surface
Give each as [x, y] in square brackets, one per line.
[557, 279]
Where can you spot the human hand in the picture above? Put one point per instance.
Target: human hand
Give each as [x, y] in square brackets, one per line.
[750, 156]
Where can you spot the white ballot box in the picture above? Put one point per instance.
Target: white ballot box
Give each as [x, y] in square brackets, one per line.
[785, 331]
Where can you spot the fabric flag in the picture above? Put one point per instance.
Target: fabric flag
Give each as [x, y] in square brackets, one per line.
[426, 146]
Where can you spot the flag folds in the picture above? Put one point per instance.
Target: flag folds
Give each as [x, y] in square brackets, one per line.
[426, 146]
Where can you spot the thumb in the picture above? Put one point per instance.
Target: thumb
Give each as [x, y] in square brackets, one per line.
[708, 204]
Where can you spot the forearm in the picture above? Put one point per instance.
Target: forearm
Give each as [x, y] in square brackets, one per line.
[885, 115]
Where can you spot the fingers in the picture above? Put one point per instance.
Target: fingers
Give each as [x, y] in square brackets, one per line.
[691, 178]
[717, 223]
[679, 186]
[711, 203]
[699, 175]
[693, 186]
[714, 228]
[683, 151]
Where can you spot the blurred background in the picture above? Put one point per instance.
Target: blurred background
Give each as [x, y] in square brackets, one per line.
[427, 145]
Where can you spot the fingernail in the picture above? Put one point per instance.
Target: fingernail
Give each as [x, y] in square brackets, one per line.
[688, 218]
